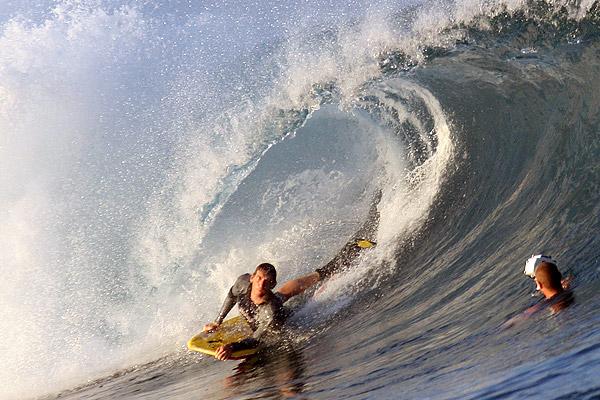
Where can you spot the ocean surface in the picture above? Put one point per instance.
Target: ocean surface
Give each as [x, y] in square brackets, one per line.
[151, 152]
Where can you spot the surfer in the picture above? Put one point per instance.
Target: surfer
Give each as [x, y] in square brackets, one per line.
[263, 308]
[550, 283]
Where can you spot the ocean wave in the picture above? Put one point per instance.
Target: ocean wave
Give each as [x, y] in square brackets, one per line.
[132, 151]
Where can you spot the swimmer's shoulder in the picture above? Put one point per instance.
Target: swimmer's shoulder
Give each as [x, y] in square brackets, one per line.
[241, 285]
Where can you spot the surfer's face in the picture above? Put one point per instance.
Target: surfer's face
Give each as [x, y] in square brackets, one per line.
[261, 282]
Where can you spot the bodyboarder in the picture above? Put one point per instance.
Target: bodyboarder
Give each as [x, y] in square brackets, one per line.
[262, 308]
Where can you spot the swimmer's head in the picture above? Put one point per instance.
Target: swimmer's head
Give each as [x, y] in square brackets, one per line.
[534, 262]
[549, 277]
[267, 273]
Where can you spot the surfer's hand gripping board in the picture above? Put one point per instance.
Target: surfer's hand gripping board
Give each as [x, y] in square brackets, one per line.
[230, 331]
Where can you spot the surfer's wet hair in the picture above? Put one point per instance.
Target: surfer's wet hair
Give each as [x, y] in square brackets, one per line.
[268, 269]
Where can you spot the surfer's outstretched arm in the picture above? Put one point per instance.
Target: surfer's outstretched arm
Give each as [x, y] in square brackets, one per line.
[348, 253]
[299, 285]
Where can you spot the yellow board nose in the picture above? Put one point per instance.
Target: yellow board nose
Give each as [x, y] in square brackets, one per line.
[365, 244]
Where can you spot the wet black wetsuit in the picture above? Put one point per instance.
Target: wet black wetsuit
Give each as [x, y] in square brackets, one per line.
[265, 319]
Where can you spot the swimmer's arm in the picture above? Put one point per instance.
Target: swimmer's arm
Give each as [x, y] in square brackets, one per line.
[296, 286]
[520, 317]
[512, 322]
[224, 352]
[228, 304]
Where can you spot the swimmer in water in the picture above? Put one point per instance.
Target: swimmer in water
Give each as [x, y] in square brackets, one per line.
[550, 283]
[532, 264]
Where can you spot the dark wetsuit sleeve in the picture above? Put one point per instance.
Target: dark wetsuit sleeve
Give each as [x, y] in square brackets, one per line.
[228, 304]
[238, 287]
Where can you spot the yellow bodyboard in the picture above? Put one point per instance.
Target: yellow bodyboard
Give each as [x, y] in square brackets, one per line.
[230, 331]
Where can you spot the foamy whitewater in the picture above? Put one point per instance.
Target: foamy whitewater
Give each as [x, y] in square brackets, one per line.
[152, 152]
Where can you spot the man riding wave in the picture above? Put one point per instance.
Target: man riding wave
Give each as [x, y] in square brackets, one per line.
[263, 308]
